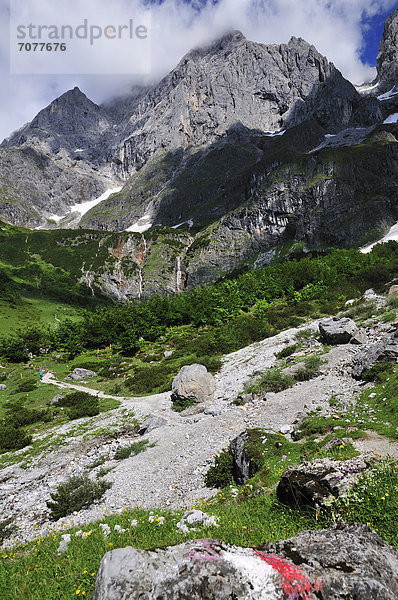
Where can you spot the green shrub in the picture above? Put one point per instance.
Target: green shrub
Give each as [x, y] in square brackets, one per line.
[133, 449]
[272, 380]
[180, 404]
[221, 474]
[288, 351]
[26, 386]
[13, 438]
[74, 494]
[80, 404]
[20, 415]
[310, 369]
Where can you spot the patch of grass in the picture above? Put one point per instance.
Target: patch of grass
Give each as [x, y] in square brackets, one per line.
[373, 501]
[272, 380]
[304, 335]
[74, 494]
[378, 372]
[133, 449]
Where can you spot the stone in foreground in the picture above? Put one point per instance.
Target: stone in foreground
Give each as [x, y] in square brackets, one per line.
[311, 483]
[194, 382]
[345, 562]
[337, 331]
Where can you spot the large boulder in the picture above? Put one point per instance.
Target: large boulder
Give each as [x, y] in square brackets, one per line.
[345, 562]
[194, 382]
[337, 331]
[311, 483]
[79, 373]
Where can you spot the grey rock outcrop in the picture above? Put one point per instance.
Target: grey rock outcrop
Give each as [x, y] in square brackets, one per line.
[79, 373]
[244, 462]
[313, 483]
[383, 350]
[387, 59]
[150, 424]
[345, 562]
[194, 382]
[337, 331]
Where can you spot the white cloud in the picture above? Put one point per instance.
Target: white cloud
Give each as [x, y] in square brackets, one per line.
[333, 26]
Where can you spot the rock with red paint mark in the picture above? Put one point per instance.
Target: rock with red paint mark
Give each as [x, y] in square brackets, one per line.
[312, 483]
[191, 571]
[344, 562]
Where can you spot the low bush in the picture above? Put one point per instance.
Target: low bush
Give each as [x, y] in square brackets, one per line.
[288, 351]
[310, 369]
[74, 494]
[12, 438]
[180, 404]
[272, 380]
[26, 386]
[80, 404]
[20, 415]
[221, 474]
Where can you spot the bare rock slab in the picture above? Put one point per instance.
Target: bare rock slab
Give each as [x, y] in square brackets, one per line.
[194, 382]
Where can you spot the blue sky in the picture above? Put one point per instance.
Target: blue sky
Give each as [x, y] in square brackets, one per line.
[372, 31]
[347, 32]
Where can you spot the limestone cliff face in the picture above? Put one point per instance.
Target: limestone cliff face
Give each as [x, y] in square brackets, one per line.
[387, 60]
[264, 87]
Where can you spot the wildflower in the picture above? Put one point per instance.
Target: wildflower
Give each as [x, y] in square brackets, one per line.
[386, 494]
[161, 520]
[134, 523]
[110, 543]
[342, 446]
[284, 457]
[92, 574]
[77, 592]
[382, 498]
[84, 572]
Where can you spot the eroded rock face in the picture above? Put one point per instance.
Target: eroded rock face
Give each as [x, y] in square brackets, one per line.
[387, 59]
[383, 350]
[313, 483]
[244, 463]
[345, 562]
[194, 382]
[337, 331]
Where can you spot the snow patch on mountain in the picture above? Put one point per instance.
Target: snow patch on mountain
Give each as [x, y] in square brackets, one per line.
[141, 225]
[84, 207]
[391, 119]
